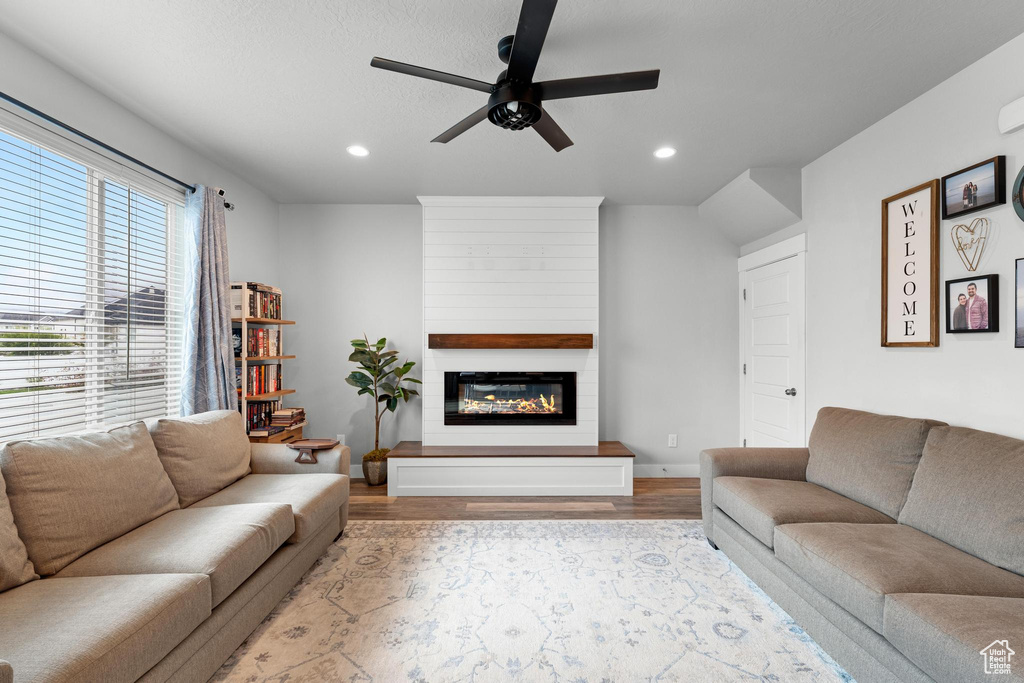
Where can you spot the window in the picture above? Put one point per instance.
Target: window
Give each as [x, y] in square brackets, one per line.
[91, 287]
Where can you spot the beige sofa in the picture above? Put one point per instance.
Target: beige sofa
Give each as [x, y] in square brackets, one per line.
[896, 543]
[161, 546]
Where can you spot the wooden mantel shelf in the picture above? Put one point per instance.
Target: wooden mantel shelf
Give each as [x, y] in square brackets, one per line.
[510, 341]
[604, 449]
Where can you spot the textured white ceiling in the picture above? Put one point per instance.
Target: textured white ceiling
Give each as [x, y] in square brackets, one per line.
[276, 90]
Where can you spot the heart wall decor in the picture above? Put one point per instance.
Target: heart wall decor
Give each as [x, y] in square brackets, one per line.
[970, 240]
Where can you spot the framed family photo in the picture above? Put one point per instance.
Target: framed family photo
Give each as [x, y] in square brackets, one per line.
[972, 304]
[1020, 304]
[910, 267]
[974, 188]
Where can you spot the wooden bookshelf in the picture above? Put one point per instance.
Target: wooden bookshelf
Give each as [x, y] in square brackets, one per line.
[245, 323]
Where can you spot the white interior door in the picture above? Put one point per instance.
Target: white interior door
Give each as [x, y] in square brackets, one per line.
[772, 325]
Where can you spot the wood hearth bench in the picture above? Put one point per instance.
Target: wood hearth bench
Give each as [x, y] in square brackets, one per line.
[602, 470]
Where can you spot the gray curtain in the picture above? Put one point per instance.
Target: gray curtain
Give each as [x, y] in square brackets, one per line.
[208, 377]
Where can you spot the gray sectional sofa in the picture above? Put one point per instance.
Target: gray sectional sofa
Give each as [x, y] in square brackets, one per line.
[150, 551]
[897, 543]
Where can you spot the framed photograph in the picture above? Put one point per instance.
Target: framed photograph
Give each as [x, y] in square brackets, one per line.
[974, 188]
[1020, 304]
[910, 267]
[972, 304]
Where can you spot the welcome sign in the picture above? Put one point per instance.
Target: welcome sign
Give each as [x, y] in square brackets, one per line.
[910, 267]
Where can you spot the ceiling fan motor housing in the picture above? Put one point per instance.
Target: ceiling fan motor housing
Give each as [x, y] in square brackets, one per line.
[514, 107]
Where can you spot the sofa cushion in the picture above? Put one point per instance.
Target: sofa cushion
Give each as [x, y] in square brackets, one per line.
[866, 457]
[759, 505]
[225, 543]
[857, 565]
[967, 492]
[70, 494]
[202, 453]
[104, 629]
[15, 569]
[314, 498]
[945, 635]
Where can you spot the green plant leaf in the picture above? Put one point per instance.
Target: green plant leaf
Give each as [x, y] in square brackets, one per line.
[361, 356]
[381, 343]
[365, 390]
[386, 387]
[358, 379]
[392, 404]
[413, 380]
[358, 343]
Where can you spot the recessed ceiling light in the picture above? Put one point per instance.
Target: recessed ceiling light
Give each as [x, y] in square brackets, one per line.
[665, 152]
[359, 151]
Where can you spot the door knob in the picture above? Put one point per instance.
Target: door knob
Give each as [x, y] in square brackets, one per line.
[791, 392]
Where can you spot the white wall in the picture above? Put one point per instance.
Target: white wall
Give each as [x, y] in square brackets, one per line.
[510, 265]
[350, 270]
[252, 227]
[669, 330]
[970, 380]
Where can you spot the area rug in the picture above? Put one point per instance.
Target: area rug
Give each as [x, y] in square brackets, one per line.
[576, 601]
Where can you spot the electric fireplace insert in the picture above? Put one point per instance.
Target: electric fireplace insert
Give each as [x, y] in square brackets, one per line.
[510, 398]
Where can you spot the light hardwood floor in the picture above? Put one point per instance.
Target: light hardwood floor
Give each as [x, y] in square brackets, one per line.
[652, 499]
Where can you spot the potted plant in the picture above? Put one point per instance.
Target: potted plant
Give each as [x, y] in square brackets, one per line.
[381, 378]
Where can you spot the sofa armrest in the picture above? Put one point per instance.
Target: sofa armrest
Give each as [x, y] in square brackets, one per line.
[764, 463]
[277, 458]
[6, 672]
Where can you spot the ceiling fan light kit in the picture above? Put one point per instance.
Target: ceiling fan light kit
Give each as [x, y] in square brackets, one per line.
[514, 100]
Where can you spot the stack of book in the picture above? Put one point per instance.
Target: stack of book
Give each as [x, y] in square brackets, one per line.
[263, 300]
[260, 379]
[288, 418]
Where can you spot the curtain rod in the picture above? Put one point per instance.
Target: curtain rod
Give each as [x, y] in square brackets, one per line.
[86, 136]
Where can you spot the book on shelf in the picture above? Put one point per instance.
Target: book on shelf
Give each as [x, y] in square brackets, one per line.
[255, 300]
[259, 379]
[257, 417]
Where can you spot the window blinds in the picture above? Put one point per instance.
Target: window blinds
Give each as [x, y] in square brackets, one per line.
[91, 288]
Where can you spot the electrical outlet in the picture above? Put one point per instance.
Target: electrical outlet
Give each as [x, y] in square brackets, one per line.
[341, 439]
[673, 440]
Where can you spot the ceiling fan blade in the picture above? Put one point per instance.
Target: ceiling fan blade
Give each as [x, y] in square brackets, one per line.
[431, 74]
[463, 125]
[534, 20]
[599, 85]
[552, 133]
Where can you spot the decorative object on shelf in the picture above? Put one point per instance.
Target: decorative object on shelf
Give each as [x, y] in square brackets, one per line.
[972, 304]
[1019, 343]
[307, 449]
[910, 267]
[1018, 194]
[381, 378]
[970, 240]
[974, 188]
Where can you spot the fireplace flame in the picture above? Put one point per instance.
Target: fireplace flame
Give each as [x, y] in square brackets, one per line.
[491, 404]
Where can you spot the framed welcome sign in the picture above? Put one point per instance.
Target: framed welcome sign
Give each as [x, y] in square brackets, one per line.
[910, 267]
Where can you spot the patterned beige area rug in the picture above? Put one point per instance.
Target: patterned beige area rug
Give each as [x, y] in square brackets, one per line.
[559, 601]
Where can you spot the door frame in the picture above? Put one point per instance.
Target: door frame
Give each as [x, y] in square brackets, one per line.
[788, 248]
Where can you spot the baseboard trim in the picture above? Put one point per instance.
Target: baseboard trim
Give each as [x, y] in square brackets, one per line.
[656, 471]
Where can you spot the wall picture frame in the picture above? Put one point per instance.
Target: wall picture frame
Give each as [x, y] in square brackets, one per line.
[974, 188]
[972, 304]
[910, 267]
[1019, 317]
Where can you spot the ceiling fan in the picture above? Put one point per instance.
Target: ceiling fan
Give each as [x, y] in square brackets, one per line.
[515, 100]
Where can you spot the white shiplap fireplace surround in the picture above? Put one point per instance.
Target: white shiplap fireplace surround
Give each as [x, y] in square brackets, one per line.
[510, 265]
